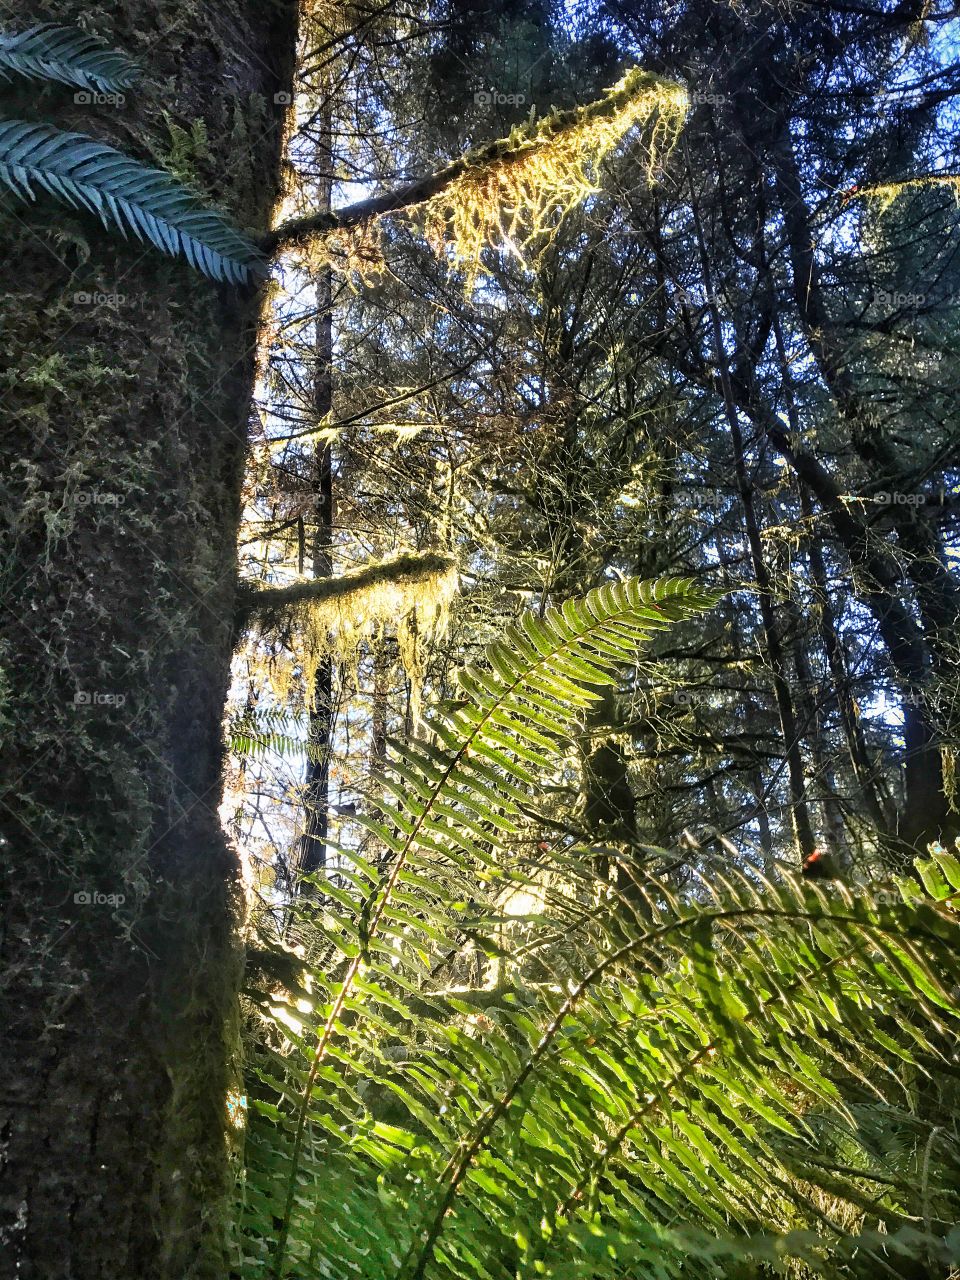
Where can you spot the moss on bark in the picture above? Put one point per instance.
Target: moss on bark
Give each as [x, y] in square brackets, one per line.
[124, 396]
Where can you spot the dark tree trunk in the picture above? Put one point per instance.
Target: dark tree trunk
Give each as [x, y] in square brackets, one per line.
[123, 445]
[871, 783]
[773, 644]
[316, 798]
[313, 855]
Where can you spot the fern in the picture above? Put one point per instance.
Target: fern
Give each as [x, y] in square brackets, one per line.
[631, 1078]
[255, 731]
[126, 195]
[66, 54]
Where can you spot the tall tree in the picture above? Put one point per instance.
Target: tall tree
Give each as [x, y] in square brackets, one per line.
[126, 391]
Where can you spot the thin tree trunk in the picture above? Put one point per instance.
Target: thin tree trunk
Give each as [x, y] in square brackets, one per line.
[316, 800]
[880, 585]
[799, 811]
[876, 800]
[938, 592]
[124, 437]
[873, 793]
[383, 666]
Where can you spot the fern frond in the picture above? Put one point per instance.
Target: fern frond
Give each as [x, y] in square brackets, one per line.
[127, 196]
[255, 731]
[531, 699]
[631, 1078]
[66, 54]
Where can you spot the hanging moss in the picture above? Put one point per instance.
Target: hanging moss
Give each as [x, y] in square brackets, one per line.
[517, 197]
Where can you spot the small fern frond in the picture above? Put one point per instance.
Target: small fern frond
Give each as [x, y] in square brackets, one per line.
[126, 195]
[66, 54]
[255, 731]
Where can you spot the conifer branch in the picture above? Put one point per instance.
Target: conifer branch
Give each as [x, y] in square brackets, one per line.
[519, 144]
[407, 570]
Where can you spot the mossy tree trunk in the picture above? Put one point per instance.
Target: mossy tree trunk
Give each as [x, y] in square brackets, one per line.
[124, 404]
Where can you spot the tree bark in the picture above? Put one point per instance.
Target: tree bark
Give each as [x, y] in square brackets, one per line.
[316, 798]
[125, 402]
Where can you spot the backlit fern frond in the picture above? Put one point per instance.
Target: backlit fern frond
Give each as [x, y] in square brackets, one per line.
[525, 1055]
[66, 54]
[127, 196]
[255, 732]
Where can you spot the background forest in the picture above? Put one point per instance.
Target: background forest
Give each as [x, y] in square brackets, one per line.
[594, 708]
[732, 359]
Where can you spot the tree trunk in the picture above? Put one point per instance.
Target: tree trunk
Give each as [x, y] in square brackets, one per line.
[799, 809]
[316, 794]
[126, 395]
[316, 800]
[871, 783]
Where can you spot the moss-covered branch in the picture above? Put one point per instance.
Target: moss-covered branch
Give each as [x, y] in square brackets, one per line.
[520, 144]
[404, 571]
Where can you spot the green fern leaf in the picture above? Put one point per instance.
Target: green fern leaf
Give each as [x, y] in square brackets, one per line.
[254, 731]
[640, 1079]
[126, 195]
[66, 54]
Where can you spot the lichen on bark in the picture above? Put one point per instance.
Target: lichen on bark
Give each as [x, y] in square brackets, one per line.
[124, 398]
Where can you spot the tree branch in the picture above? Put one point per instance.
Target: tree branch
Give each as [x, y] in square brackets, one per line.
[408, 569]
[516, 146]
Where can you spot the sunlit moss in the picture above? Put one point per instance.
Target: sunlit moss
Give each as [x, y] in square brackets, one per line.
[517, 197]
[354, 252]
[885, 193]
[407, 594]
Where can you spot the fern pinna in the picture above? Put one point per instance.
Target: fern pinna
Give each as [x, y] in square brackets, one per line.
[642, 1078]
[127, 196]
[67, 55]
